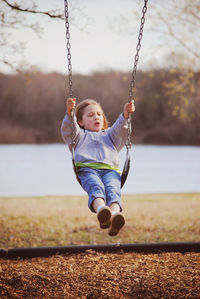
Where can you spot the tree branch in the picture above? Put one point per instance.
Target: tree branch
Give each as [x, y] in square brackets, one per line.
[11, 66]
[17, 7]
[181, 41]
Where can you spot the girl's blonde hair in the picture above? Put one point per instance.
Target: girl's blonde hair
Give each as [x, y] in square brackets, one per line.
[80, 110]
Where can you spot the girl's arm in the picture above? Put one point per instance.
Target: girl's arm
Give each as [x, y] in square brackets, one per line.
[67, 123]
[118, 131]
[128, 108]
[70, 104]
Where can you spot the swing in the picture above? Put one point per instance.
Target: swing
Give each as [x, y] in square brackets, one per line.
[126, 167]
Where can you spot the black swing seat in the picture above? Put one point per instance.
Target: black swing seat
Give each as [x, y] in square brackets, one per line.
[125, 171]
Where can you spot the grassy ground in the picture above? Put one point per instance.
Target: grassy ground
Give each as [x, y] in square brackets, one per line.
[60, 221]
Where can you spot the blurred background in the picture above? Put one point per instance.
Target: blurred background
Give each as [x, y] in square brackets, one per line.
[104, 35]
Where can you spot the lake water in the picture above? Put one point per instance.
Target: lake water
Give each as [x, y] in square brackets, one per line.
[32, 170]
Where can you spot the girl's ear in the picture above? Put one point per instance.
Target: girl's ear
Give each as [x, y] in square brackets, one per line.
[80, 122]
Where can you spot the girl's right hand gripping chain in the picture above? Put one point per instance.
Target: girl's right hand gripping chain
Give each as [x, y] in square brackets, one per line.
[71, 104]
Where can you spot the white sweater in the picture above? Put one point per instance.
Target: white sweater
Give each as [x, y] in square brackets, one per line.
[96, 147]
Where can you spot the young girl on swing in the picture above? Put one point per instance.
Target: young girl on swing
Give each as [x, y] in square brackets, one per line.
[97, 158]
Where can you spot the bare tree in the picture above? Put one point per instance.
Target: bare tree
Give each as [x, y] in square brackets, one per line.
[175, 27]
[179, 22]
[15, 15]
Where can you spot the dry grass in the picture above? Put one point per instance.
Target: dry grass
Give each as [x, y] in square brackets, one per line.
[59, 221]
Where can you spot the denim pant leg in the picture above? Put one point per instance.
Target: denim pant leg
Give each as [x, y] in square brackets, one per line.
[112, 184]
[92, 183]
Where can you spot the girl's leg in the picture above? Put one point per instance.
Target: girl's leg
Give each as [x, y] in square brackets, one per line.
[115, 208]
[112, 183]
[98, 203]
[92, 183]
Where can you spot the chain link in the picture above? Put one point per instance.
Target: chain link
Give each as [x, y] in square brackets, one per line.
[68, 47]
[138, 47]
[132, 82]
[128, 142]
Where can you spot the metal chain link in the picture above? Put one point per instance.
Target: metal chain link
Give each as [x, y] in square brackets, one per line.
[68, 46]
[128, 142]
[132, 82]
[138, 47]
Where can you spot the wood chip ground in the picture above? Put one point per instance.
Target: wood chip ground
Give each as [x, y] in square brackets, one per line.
[99, 275]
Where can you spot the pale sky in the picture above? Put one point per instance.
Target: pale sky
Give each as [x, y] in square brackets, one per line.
[96, 45]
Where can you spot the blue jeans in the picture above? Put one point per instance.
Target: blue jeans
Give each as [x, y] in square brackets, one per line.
[103, 183]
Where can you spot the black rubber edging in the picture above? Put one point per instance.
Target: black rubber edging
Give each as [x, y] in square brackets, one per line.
[3, 253]
[112, 248]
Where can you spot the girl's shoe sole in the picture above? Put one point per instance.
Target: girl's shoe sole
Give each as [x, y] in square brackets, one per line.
[104, 216]
[117, 222]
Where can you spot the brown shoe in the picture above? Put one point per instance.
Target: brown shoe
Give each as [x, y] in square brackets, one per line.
[104, 216]
[117, 222]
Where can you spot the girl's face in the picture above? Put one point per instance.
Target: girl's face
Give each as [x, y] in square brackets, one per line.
[92, 119]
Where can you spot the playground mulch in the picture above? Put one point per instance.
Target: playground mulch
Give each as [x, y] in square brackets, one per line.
[102, 275]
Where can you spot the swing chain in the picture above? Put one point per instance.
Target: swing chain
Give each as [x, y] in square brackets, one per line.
[132, 83]
[68, 46]
[128, 142]
[138, 47]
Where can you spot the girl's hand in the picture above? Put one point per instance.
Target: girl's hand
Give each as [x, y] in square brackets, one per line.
[71, 104]
[128, 108]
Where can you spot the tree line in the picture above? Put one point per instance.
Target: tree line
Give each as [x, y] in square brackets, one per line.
[167, 104]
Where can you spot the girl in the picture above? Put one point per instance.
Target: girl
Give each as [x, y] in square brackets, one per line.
[97, 158]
